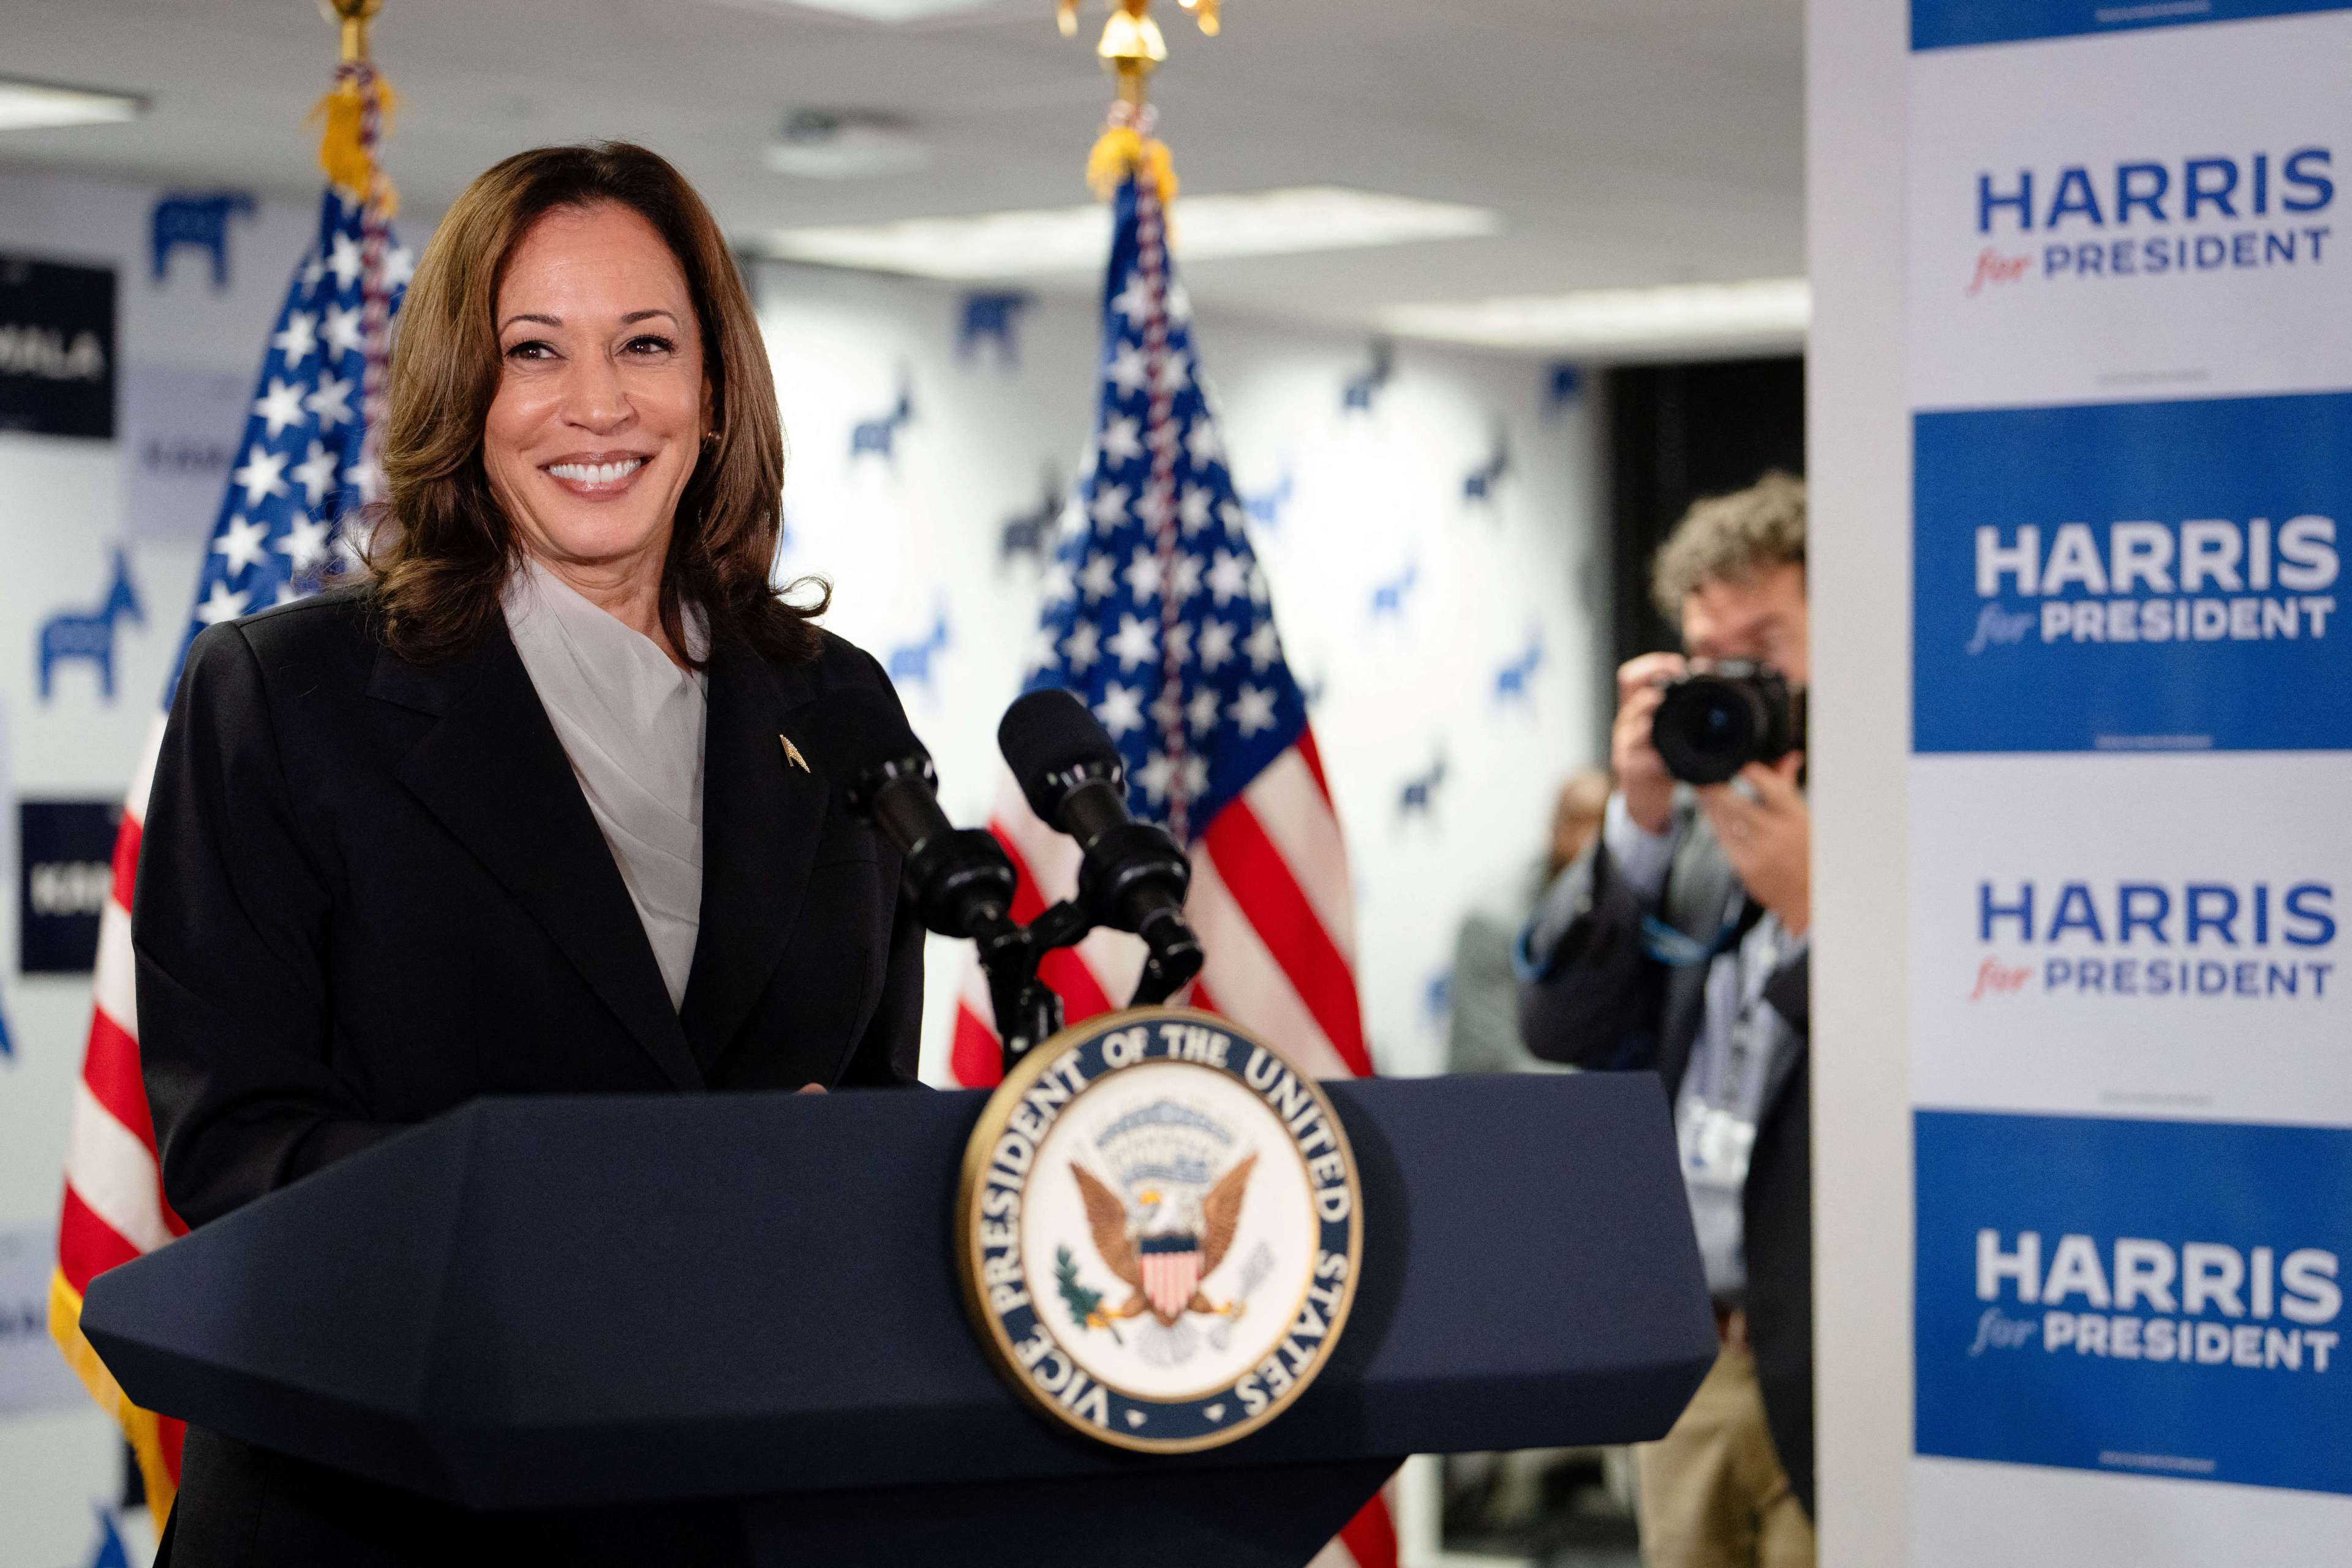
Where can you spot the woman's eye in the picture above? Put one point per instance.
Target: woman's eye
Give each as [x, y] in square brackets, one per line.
[531, 349]
[650, 343]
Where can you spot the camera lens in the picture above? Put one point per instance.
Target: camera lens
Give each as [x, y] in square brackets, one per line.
[1708, 728]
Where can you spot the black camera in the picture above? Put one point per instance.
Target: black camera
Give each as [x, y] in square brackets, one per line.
[1712, 724]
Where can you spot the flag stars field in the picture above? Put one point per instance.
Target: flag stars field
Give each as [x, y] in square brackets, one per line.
[262, 476]
[222, 603]
[315, 472]
[1121, 708]
[279, 407]
[1137, 642]
[1100, 579]
[298, 339]
[241, 545]
[331, 404]
[344, 332]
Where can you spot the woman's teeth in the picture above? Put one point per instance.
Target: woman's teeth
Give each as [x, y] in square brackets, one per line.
[597, 473]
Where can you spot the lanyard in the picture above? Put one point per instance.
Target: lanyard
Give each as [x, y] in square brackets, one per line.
[1680, 950]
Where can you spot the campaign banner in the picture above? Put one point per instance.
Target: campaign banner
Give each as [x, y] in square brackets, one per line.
[2079, 1304]
[2129, 356]
[2138, 576]
[66, 852]
[1953, 24]
[2157, 935]
[2152, 213]
[57, 348]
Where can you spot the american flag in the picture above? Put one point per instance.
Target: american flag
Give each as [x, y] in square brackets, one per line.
[1156, 616]
[306, 464]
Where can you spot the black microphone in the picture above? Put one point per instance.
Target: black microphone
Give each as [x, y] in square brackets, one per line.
[960, 879]
[1133, 878]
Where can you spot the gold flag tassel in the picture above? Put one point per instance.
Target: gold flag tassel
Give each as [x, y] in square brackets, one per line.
[1123, 149]
[357, 110]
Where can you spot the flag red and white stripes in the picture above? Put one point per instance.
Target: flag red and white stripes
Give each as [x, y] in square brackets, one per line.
[114, 1204]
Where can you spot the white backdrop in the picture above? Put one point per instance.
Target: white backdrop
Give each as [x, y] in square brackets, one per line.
[1410, 611]
[1438, 631]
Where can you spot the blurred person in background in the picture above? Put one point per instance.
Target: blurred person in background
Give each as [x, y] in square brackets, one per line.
[1677, 942]
[1482, 1035]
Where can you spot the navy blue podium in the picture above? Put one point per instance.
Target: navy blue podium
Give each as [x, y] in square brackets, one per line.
[555, 1302]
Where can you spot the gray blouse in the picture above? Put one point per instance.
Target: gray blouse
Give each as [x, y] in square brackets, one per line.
[631, 723]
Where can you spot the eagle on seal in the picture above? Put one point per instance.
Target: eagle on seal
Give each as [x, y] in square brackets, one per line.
[1166, 1244]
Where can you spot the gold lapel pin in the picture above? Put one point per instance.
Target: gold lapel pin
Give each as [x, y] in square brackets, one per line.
[792, 754]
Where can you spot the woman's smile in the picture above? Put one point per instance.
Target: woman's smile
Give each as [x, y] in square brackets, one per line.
[596, 475]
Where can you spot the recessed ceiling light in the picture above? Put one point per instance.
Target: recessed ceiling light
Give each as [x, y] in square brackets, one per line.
[820, 145]
[1761, 313]
[30, 105]
[1078, 239]
[891, 10]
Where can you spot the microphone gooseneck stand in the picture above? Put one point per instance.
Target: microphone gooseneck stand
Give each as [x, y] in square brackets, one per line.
[1029, 1011]
[1132, 876]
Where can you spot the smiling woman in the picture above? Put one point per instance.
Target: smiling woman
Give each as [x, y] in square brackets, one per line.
[579, 311]
[524, 814]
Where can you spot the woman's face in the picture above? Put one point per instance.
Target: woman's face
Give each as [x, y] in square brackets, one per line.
[601, 403]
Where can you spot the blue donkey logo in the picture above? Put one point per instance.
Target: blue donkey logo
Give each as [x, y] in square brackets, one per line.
[910, 663]
[200, 221]
[91, 636]
[1511, 680]
[880, 437]
[1363, 389]
[993, 318]
[1479, 486]
[1419, 795]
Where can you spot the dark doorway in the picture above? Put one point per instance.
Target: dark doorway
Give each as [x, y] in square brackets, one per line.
[1676, 433]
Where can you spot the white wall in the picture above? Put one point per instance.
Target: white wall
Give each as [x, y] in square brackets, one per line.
[1372, 498]
[1859, 468]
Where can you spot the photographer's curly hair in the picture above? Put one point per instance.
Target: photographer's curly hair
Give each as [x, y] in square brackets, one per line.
[1731, 538]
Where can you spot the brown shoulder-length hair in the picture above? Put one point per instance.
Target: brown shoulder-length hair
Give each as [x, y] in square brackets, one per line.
[443, 545]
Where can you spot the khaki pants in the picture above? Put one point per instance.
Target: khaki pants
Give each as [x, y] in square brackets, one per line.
[1712, 1493]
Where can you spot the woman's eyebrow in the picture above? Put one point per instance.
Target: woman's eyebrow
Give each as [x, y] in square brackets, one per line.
[634, 317]
[542, 320]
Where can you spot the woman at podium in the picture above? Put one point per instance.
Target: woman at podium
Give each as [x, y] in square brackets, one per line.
[526, 813]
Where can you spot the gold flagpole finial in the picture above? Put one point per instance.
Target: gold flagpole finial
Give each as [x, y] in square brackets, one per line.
[1132, 45]
[355, 16]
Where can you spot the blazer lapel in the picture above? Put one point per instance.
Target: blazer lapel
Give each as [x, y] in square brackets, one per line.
[761, 818]
[494, 773]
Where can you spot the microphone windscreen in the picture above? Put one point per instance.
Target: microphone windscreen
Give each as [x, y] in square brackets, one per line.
[1048, 732]
[847, 732]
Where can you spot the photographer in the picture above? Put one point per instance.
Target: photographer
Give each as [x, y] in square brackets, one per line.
[1678, 943]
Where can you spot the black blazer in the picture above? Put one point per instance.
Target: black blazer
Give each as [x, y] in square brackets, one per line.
[369, 890]
[1600, 1001]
